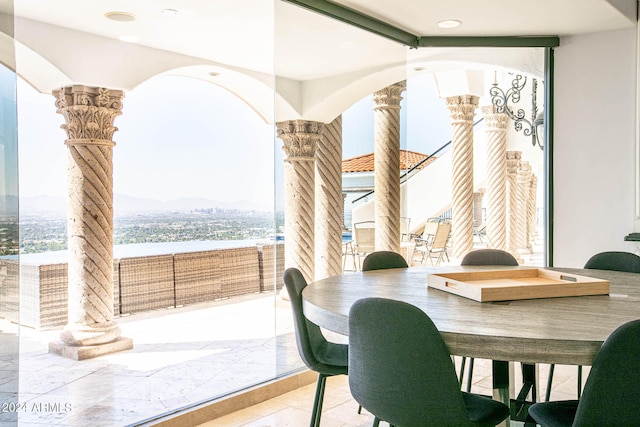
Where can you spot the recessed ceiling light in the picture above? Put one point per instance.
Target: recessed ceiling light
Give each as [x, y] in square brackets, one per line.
[129, 39]
[120, 16]
[449, 23]
[169, 12]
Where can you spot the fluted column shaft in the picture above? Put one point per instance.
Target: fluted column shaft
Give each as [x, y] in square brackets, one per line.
[387, 166]
[513, 163]
[496, 130]
[89, 114]
[524, 185]
[462, 112]
[329, 201]
[477, 208]
[300, 138]
[532, 208]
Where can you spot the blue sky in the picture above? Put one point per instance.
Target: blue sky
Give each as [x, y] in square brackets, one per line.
[181, 137]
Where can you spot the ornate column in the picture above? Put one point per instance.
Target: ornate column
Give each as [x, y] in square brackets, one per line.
[344, 198]
[387, 166]
[531, 211]
[462, 111]
[89, 113]
[329, 201]
[524, 185]
[513, 162]
[496, 129]
[300, 138]
[477, 208]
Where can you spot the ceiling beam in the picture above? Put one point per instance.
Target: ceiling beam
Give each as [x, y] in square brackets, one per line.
[357, 19]
[381, 28]
[497, 41]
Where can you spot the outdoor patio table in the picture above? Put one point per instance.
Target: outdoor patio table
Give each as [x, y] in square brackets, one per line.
[567, 330]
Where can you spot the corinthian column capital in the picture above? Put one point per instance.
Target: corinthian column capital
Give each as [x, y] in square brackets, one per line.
[462, 107]
[513, 161]
[390, 96]
[493, 120]
[89, 112]
[299, 137]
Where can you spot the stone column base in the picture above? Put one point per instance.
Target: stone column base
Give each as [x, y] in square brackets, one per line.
[89, 351]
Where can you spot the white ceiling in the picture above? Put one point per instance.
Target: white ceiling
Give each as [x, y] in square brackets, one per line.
[241, 32]
[260, 38]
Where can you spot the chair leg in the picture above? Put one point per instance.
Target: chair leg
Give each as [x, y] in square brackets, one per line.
[547, 394]
[376, 422]
[437, 260]
[463, 363]
[344, 260]
[470, 375]
[521, 404]
[579, 381]
[529, 379]
[316, 412]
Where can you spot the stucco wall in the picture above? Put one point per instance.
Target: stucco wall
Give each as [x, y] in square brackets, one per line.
[594, 169]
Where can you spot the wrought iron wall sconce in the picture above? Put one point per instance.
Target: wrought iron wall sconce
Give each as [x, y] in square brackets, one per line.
[500, 99]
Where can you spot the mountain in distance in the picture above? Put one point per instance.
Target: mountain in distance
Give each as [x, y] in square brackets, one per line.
[128, 204]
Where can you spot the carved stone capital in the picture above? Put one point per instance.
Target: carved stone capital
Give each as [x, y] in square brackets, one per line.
[462, 107]
[493, 120]
[390, 96]
[300, 138]
[513, 161]
[524, 170]
[89, 112]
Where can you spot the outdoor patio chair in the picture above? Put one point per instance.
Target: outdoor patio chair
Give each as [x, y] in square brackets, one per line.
[480, 231]
[364, 235]
[433, 245]
[401, 371]
[610, 395]
[324, 357]
[405, 231]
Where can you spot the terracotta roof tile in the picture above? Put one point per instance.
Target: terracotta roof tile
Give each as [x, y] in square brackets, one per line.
[365, 162]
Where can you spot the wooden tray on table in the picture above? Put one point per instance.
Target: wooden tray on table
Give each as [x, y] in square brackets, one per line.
[521, 283]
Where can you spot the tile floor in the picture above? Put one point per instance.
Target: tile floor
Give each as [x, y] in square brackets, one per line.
[340, 410]
[180, 357]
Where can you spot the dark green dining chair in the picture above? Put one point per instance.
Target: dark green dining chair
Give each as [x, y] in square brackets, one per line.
[529, 380]
[608, 260]
[614, 260]
[483, 257]
[381, 260]
[318, 354]
[401, 371]
[610, 395]
[489, 257]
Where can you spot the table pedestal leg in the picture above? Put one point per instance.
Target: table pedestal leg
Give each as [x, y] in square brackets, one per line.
[504, 390]
[503, 387]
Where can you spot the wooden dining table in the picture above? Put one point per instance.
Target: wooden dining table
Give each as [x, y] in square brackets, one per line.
[565, 330]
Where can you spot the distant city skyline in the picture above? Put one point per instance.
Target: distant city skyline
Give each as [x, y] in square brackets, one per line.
[180, 137]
